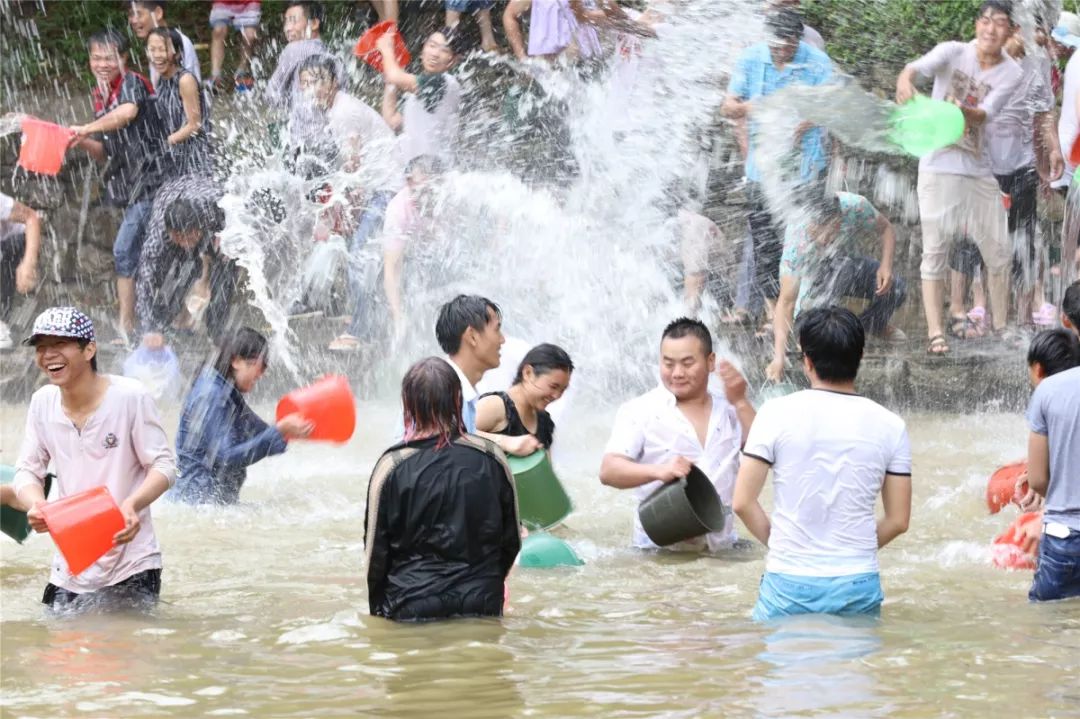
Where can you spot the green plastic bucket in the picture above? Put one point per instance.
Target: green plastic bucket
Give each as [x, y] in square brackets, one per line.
[681, 510]
[540, 550]
[13, 522]
[542, 500]
[923, 125]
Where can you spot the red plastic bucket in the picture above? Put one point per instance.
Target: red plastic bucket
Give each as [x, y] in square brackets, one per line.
[1001, 488]
[83, 526]
[1006, 552]
[328, 404]
[365, 46]
[43, 146]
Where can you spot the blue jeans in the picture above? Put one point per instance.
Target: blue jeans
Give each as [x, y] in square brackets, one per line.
[130, 236]
[370, 223]
[469, 6]
[782, 595]
[1057, 571]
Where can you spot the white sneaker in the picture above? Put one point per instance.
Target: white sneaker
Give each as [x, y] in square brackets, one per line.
[5, 337]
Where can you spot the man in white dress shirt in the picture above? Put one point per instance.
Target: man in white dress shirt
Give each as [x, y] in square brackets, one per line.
[684, 421]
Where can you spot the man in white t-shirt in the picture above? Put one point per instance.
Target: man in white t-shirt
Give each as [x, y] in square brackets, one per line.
[957, 190]
[683, 422]
[20, 243]
[97, 431]
[831, 453]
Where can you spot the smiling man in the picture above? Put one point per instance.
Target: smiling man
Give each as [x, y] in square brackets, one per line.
[659, 435]
[98, 431]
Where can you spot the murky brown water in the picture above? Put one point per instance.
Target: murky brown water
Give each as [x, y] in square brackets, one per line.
[265, 613]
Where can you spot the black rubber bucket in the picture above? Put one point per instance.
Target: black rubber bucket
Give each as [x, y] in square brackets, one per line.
[683, 509]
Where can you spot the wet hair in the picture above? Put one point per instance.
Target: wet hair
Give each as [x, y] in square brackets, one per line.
[544, 358]
[245, 343]
[833, 338]
[785, 24]
[431, 399]
[456, 39]
[1005, 7]
[173, 36]
[322, 65]
[458, 315]
[312, 10]
[1070, 305]
[93, 360]
[151, 5]
[427, 164]
[185, 214]
[1055, 350]
[107, 37]
[687, 327]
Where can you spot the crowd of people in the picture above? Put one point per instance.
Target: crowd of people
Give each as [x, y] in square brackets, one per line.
[442, 529]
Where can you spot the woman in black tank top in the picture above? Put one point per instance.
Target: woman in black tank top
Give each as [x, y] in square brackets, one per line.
[542, 377]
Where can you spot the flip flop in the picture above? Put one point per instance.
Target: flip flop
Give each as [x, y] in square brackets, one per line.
[938, 346]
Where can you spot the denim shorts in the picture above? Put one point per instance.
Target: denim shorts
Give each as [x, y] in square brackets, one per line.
[469, 6]
[782, 595]
[1057, 570]
[129, 238]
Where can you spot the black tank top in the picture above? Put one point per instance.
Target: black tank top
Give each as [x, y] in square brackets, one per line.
[545, 427]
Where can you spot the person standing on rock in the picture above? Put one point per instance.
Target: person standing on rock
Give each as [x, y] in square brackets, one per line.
[20, 243]
[181, 107]
[127, 135]
[97, 431]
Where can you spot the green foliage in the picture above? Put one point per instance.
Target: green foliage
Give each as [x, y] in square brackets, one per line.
[874, 39]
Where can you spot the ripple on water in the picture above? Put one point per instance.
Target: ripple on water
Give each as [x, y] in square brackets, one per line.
[314, 633]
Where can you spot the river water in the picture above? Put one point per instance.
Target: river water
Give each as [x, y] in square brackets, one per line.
[264, 611]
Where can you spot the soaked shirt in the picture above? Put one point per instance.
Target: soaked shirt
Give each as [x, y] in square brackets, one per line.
[134, 152]
[431, 118]
[193, 154]
[959, 76]
[829, 454]
[804, 258]
[754, 75]
[119, 444]
[651, 429]
[1054, 412]
[1011, 134]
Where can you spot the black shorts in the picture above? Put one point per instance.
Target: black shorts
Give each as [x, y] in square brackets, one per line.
[139, 591]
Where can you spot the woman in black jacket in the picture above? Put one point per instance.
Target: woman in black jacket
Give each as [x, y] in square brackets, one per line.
[441, 527]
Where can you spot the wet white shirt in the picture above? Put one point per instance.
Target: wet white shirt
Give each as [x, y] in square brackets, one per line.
[829, 454]
[958, 76]
[117, 447]
[1011, 134]
[431, 133]
[651, 429]
[1068, 125]
[380, 166]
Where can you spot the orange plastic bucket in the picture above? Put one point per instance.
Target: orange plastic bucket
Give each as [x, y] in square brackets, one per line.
[328, 403]
[1001, 488]
[1006, 552]
[365, 46]
[1074, 152]
[43, 146]
[83, 526]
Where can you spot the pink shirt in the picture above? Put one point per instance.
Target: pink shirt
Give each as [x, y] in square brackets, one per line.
[400, 222]
[119, 444]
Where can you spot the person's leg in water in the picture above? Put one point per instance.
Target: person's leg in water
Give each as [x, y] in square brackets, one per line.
[137, 592]
[126, 251]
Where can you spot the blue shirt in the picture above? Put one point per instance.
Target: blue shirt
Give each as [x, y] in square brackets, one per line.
[218, 437]
[755, 76]
[1054, 412]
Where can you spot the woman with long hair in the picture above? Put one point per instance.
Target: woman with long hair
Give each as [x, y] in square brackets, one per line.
[219, 435]
[441, 526]
[542, 377]
[181, 106]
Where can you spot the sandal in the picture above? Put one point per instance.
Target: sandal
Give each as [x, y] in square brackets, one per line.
[938, 346]
[344, 343]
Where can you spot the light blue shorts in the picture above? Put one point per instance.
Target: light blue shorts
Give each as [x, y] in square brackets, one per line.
[782, 595]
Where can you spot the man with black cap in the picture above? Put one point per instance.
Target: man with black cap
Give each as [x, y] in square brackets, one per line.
[98, 431]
